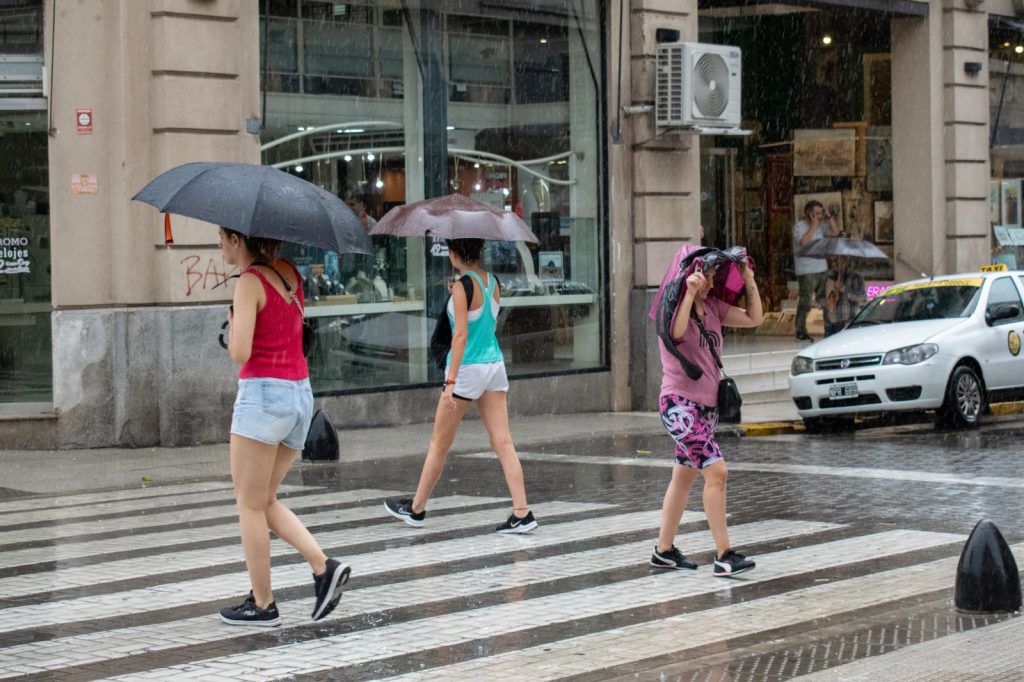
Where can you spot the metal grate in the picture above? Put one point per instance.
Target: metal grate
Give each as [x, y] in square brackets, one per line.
[846, 363]
[669, 90]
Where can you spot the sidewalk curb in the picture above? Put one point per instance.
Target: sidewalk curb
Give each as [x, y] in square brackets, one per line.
[1003, 409]
[756, 429]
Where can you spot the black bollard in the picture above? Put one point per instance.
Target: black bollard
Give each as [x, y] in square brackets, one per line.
[987, 579]
[322, 440]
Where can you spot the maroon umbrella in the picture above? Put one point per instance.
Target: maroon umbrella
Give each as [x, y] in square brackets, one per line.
[454, 217]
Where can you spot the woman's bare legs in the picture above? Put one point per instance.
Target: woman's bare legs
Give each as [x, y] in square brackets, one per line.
[257, 470]
[716, 476]
[494, 415]
[675, 502]
[283, 522]
[446, 422]
[252, 470]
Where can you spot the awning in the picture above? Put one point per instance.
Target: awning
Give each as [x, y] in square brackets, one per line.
[901, 8]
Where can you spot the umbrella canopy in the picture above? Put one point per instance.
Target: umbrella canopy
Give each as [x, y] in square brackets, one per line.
[842, 246]
[454, 216]
[258, 201]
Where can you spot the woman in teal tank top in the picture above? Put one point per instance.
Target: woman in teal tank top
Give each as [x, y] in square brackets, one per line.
[475, 373]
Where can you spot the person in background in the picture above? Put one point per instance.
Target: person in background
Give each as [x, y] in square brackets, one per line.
[816, 224]
[475, 372]
[271, 418]
[841, 294]
[356, 202]
[689, 412]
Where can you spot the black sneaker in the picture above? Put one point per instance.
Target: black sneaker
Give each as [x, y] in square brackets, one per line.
[328, 587]
[671, 558]
[732, 563]
[247, 613]
[514, 524]
[401, 508]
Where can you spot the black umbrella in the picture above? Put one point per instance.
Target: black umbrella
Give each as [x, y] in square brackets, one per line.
[258, 201]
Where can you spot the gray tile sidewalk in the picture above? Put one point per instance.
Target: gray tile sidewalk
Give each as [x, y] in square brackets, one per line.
[62, 471]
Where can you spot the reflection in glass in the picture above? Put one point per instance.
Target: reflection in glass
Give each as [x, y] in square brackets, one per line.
[521, 126]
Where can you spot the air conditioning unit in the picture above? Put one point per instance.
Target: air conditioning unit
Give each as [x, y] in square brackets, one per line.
[698, 86]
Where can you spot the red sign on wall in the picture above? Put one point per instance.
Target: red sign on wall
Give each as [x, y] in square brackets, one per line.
[83, 120]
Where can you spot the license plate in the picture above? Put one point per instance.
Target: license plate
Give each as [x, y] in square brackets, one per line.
[842, 391]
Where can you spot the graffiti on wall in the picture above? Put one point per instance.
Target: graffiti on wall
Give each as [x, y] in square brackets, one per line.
[202, 273]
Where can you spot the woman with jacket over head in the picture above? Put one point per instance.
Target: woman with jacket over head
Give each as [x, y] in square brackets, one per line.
[475, 372]
[689, 411]
[271, 417]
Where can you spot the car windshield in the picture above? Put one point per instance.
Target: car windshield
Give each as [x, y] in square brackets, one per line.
[922, 301]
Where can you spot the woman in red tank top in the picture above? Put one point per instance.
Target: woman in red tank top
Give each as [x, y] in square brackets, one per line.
[271, 418]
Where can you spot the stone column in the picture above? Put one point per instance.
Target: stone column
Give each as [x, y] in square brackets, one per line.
[965, 134]
[169, 81]
[665, 184]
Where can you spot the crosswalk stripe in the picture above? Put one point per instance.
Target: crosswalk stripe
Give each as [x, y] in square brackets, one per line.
[128, 506]
[177, 517]
[51, 501]
[184, 593]
[601, 650]
[112, 644]
[225, 531]
[451, 629]
[778, 468]
[185, 560]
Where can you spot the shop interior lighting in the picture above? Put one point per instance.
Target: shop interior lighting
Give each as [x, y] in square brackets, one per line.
[1006, 44]
[298, 169]
[826, 39]
[1019, 49]
[379, 183]
[370, 157]
[348, 157]
[543, 41]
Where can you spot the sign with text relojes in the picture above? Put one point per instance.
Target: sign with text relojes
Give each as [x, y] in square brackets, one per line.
[14, 256]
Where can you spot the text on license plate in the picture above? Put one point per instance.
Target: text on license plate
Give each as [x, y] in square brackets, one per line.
[842, 391]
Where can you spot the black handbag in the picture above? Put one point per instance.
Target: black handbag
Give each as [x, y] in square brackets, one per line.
[441, 339]
[729, 399]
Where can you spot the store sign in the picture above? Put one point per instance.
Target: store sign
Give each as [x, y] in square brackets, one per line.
[873, 289]
[439, 248]
[14, 257]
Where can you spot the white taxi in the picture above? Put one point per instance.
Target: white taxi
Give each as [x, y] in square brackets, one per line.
[950, 344]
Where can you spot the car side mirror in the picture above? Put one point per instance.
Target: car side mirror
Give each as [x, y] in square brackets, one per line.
[1001, 311]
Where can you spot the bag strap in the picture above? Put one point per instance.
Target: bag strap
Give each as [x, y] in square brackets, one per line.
[710, 341]
[287, 287]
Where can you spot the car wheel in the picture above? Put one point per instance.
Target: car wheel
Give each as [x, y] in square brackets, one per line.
[965, 400]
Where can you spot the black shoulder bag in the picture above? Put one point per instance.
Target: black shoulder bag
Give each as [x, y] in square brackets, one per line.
[729, 398]
[441, 339]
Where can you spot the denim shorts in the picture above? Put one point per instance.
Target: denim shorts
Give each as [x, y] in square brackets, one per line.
[273, 411]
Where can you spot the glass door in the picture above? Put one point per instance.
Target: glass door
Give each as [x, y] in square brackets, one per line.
[25, 336]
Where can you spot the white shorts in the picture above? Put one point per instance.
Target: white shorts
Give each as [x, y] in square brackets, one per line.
[475, 380]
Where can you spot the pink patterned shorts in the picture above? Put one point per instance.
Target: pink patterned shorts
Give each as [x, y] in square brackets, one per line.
[692, 427]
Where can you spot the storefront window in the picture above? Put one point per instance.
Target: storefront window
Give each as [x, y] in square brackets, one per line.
[521, 121]
[25, 338]
[817, 100]
[1006, 149]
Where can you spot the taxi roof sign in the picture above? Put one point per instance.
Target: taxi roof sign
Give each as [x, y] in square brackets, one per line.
[995, 267]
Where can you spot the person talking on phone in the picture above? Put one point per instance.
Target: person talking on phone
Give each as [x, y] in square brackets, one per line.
[816, 223]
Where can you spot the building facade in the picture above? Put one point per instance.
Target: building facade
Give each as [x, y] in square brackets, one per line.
[903, 115]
